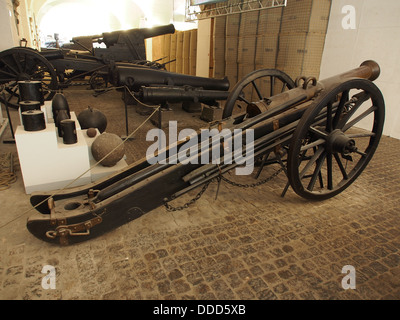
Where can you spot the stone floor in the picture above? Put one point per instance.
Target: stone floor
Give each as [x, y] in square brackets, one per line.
[248, 244]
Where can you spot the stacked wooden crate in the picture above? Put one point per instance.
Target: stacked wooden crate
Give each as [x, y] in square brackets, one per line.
[302, 37]
[288, 38]
[180, 47]
[218, 47]
[267, 38]
[231, 47]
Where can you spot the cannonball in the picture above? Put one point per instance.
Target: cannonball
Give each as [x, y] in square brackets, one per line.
[103, 145]
[91, 132]
[92, 118]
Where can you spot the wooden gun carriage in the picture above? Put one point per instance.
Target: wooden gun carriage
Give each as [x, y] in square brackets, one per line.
[310, 127]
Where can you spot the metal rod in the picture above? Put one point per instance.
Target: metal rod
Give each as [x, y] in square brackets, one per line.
[9, 120]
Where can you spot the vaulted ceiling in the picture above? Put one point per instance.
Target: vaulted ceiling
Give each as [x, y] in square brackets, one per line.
[97, 16]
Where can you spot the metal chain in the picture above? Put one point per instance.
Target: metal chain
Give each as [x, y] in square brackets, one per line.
[221, 177]
[186, 205]
[253, 185]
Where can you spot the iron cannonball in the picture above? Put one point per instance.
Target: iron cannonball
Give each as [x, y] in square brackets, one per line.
[103, 145]
[91, 132]
[92, 118]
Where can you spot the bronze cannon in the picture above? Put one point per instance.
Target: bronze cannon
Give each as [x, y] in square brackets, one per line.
[310, 127]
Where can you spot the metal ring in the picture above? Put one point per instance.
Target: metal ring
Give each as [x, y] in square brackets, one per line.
[297, 81]
[308, 80]
[51, 234]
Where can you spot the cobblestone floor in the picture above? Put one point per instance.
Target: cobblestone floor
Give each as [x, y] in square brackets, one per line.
[247, 244]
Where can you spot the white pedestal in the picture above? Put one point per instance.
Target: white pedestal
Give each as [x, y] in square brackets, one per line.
[48, 164]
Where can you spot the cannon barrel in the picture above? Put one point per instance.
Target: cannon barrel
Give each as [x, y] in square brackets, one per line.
[111, 38]
[369, 70]
[52, 54]
[180, 94]
[307, 90]
[136, 77]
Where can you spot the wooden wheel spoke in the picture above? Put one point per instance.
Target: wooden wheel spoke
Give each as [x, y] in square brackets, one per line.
[17, 63]
[311, 162]
[361, 135]
[7, 79]
[312, 145]
[272, 86]
[37, 73]
[341, 167]
[359, 118]
[318, 132]
[243, 99]
[329, 119]
[33, 68]
[340, 108]
[329, 166]
[317, 171]
[257, 90]
[7, 74]
[284, 87]
[361, 98]
[10, 67]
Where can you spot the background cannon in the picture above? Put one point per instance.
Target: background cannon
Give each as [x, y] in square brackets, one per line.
[310, 130]
[58, 68]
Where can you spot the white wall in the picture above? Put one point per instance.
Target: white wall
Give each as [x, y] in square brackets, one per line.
[203, 48]
[376, 36]
[8, 30]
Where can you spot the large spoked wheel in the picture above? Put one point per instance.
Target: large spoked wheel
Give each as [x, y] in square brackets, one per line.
[19, 64]
[256, 86]
[329, 150]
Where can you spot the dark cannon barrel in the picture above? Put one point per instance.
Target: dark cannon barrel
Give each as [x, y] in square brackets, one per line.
[52, 54]
[157, 31]
[136, 77]
[180, 94]
[111, 38]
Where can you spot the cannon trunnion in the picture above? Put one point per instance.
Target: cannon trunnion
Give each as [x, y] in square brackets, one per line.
[311, 125]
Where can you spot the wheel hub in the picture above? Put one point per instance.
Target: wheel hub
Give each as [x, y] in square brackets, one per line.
[338, 142]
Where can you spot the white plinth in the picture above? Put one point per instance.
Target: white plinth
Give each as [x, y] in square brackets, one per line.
[48, 164]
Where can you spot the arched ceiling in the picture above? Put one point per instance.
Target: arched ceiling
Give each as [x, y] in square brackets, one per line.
[91, 17]
[152, 9]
